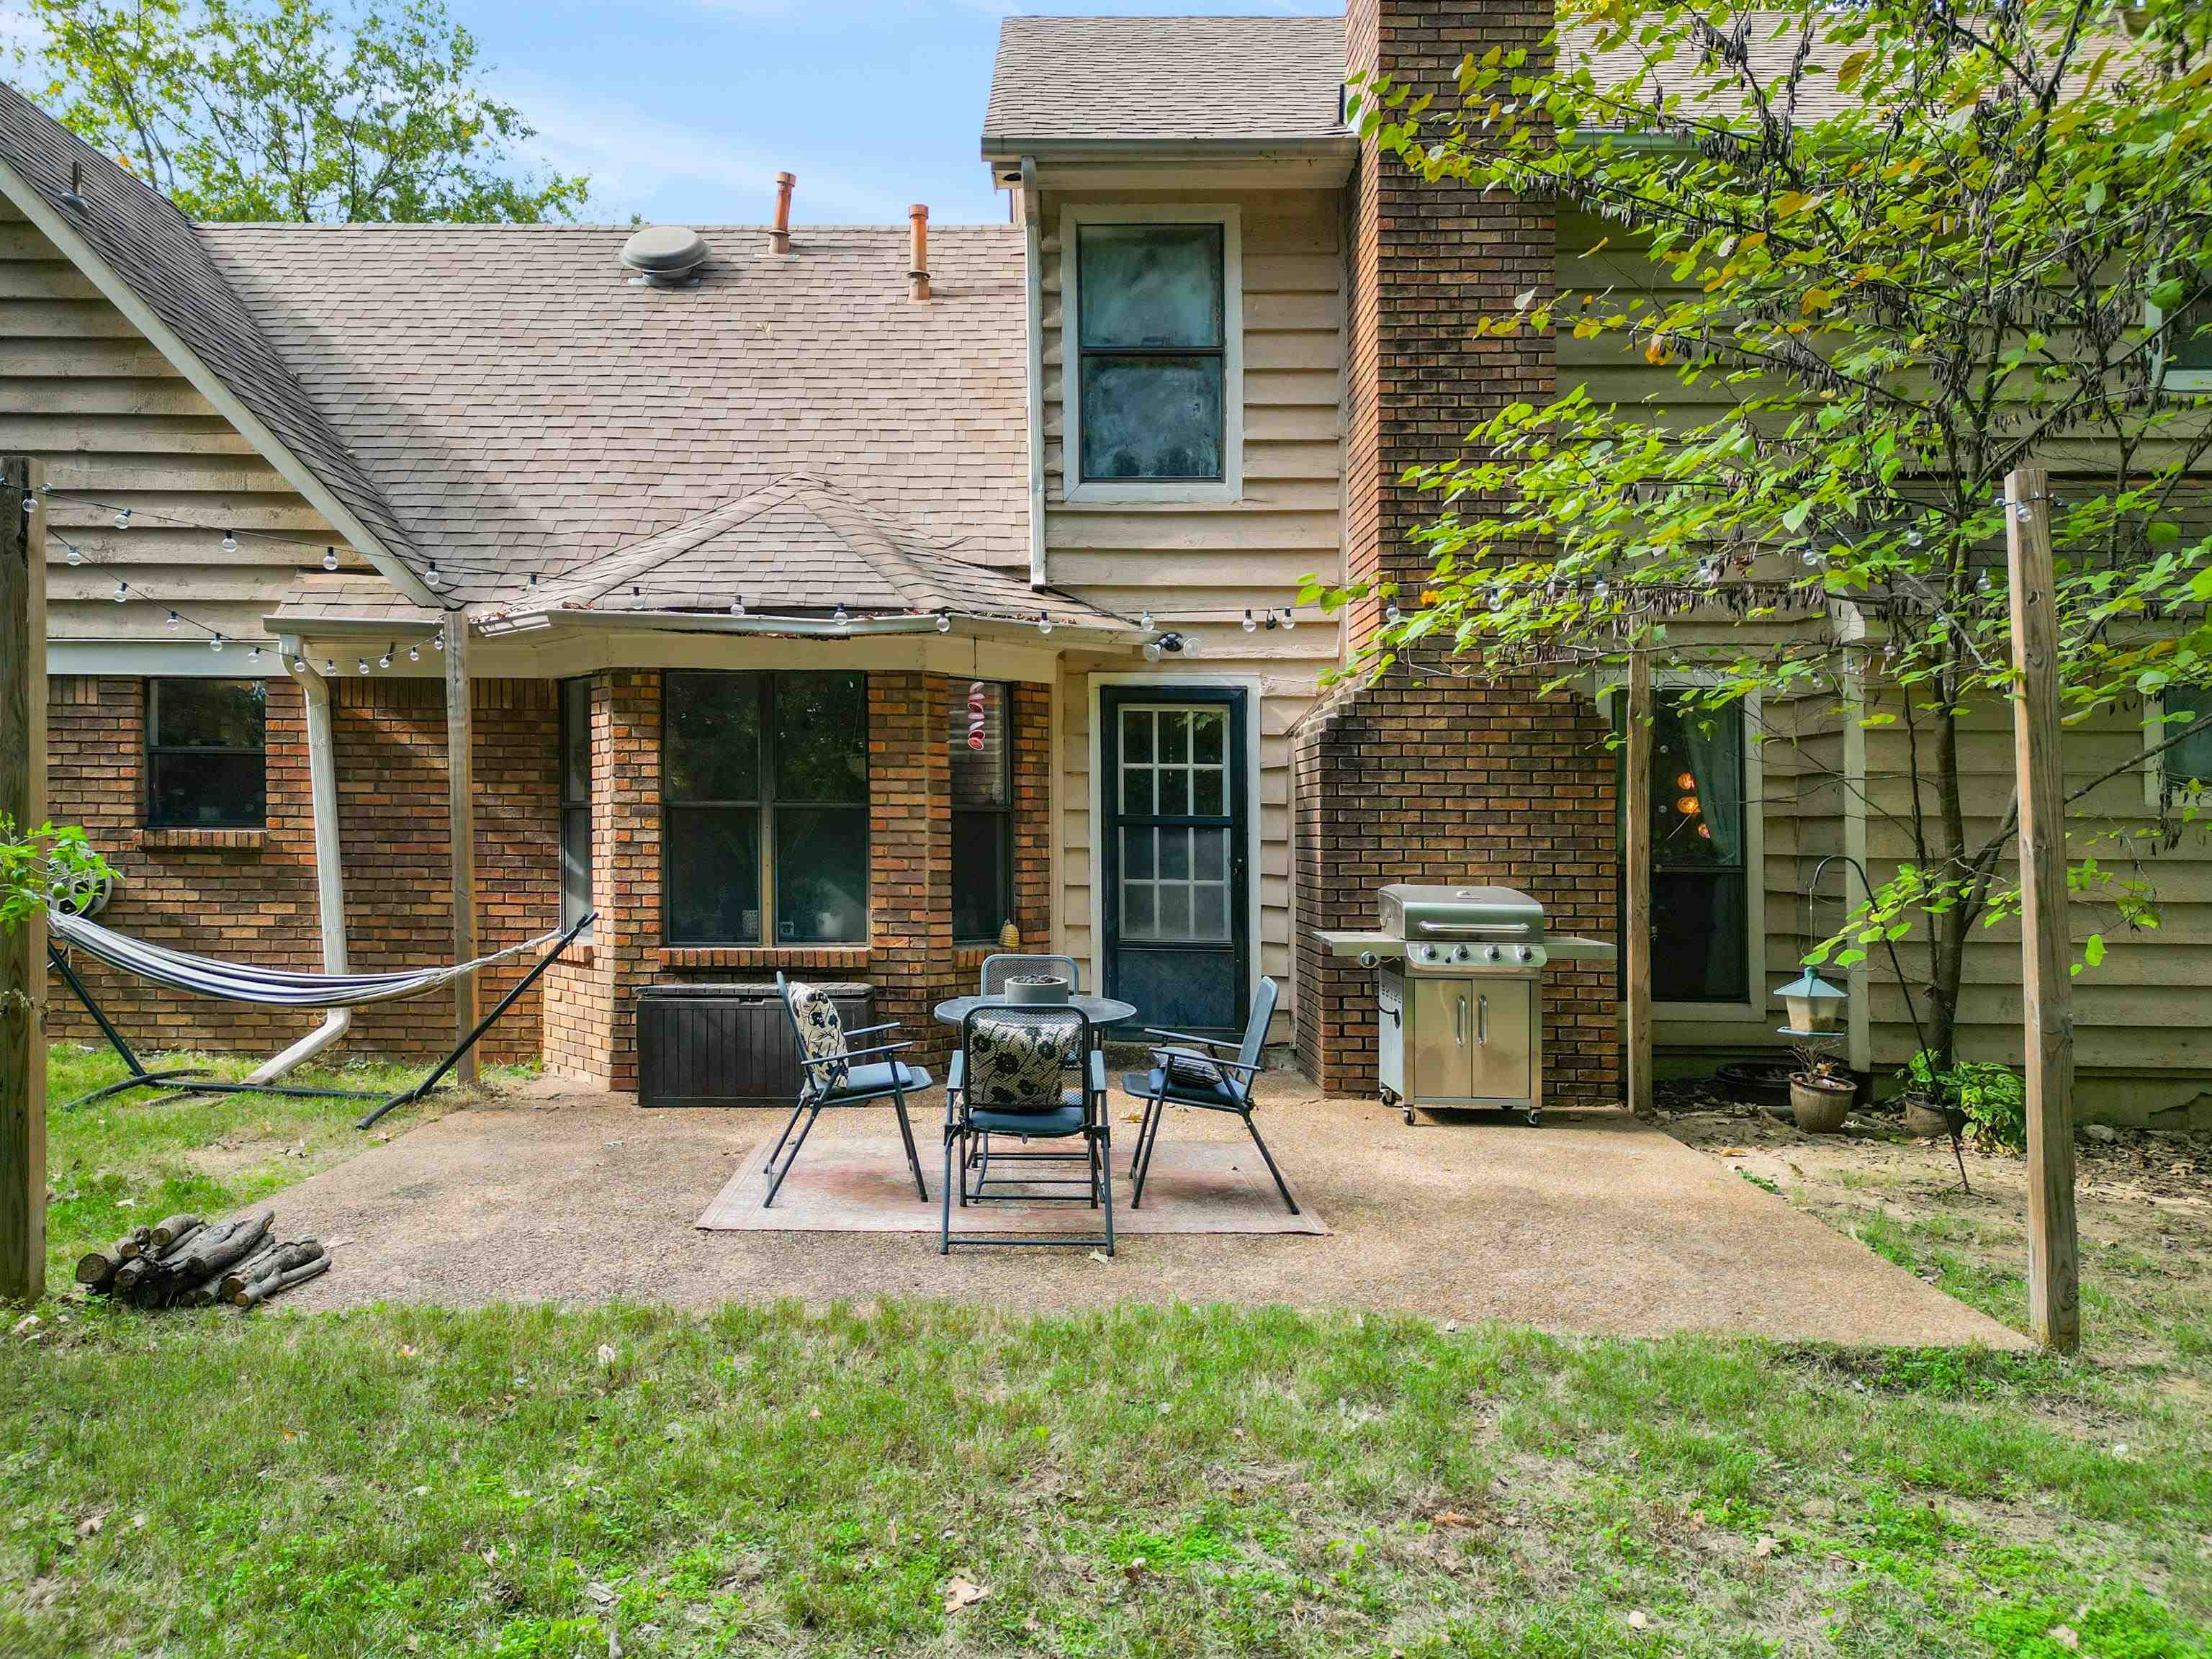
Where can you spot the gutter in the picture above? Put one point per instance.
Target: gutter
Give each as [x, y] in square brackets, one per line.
[1033, 246]
[329, 872]
[809, 628]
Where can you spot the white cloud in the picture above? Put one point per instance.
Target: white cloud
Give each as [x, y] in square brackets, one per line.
[640, 162]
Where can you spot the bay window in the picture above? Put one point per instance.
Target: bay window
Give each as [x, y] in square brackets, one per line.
[764, 809]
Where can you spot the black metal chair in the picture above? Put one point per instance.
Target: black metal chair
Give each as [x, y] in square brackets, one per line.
[1002, 965]
[1194, 1072]
[1015, 1060]
[829, 1077]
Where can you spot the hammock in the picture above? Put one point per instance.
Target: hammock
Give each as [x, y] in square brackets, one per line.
[271, 988]
[268, 987]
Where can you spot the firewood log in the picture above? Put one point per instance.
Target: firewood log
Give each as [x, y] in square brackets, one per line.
[169, 1229]
[166, 1252]
[243, 1273]
[128, 1275]
[134, 1243]
[266, 1265]
[277, 1284]
[95, 1270]
[216, 1248]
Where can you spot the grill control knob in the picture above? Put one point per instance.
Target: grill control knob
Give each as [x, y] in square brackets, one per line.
[1493, 953]
[1460, 955]
[1526, 955]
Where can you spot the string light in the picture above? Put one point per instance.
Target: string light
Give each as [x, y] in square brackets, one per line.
[172, 622]
[121, 590]
[431, 575]
[1044, 622]
[737, 605]
[329, 558]
[215, 644]
[1151, 650]
[252, 655]
[30, 503]
[1250, 624]
[229, 542]
[123, 518]
[1144, 622]
[1290, 620]
[437, 641]
[414, 654]
[362, 665]
[75, 554]
[839, 619]
[944, 622]
[385, 661]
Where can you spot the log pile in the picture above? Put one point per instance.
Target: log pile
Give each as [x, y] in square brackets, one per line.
[182, 1261]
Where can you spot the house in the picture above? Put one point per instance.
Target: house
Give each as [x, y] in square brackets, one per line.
[835, 597]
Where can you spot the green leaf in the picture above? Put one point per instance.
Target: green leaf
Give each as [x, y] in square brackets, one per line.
[2092, 949]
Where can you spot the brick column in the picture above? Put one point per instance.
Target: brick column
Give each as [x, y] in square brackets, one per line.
[910, 959]
[1032, 733]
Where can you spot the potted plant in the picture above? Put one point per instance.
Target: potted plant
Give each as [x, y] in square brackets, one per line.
[1820, 1092]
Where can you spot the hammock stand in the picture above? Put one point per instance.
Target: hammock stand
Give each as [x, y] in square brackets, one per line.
[272, 988]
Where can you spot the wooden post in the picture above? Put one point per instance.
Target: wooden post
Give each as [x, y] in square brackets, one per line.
[23, 952]
[2045, 944]
[460, 807]
[1636, 877]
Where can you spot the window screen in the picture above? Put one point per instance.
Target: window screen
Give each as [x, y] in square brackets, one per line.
[1151, 348]
[207, 754]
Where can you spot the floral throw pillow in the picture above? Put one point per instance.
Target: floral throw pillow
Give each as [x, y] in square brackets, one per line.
[1018, 1064]
[822, 1035]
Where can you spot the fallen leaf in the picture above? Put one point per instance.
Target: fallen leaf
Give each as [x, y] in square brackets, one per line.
[1637, 1621]
[1100, 1255]
[1765, 1545]
[24, 1326]
[1453, 1518]
[604, 1595]
[90, 1524]
[2063, 1635]
[1133, 1568]
[606, 1353]
[959, 1592]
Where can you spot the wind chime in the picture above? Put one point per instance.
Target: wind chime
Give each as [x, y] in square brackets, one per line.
[975, 714]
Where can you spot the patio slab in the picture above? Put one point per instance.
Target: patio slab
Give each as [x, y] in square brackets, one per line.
[1592, 1223]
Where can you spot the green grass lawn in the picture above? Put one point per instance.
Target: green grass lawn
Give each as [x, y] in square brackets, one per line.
[765, 1481]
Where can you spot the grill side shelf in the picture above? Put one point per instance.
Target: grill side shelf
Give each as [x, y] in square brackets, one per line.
[1358, 943]
[1572, 947]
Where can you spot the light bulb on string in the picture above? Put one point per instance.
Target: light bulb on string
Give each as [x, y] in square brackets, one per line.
[1144, 621]
[432, 576]
[299, 665]
[1151, 650]
[944, 622]
[229, 542]
[1044, 622]
[172, 623]
[30, 503]
[75, 554]
[215, 644]
[737, 605]
[838, 619]
[385, 661]
[329, 666]
[437, 641]
[252, 655]
[361, 666]
[121, 588]
[329, 558]
[1390, 615]
[414, 654]
[1249, 623]
[1289, 620]
[123, 518]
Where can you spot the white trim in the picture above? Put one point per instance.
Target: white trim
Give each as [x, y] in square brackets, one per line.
[166, 660]
[2154, 766]
[1166, 685]
[1231, 488]
[211, 386]
[2192, 381]
[1033, 267]
[1754, 1009]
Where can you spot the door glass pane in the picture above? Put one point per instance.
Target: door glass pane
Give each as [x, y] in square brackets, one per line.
[1175, 910]
[1209, 913]
[1138, 914]
[982, 903]
[1136, 848]
[1136, 791]
[713, 747]
[1150, 285]
[1698, 918]
[1175, 854]
[821, 738]
[1175, 735]
[1151, 417]
[1175, 792]
[1700, 925]
[1137, 736]
[1210, 854]
[1211, 733]
[714, 875]
[821, 875]
[1208, 792]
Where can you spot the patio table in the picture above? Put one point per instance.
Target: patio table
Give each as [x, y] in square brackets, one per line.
[1101, 1012]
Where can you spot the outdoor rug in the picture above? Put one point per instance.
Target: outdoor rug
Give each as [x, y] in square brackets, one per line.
[858, 1186]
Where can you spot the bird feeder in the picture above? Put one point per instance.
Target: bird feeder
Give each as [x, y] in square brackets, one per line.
[1814, 1005]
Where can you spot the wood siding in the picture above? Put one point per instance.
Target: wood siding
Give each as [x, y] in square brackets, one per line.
[1197, 568]
[84, 392]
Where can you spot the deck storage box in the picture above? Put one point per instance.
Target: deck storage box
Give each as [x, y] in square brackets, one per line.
[727, 1045]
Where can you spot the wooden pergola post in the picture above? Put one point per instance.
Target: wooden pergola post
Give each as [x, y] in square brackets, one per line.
[23, 952]
[1636, 876]
[461, 812]
[2046, 946]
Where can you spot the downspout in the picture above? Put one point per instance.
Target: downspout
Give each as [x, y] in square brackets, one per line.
[330, 877]
[1033, 246]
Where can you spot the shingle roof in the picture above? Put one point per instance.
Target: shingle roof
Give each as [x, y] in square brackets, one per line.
[800, 545]
[160, 255]
[527, 410]
[1066, 80]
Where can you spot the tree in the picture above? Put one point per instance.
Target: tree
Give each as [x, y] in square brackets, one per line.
[1907, 247]
[279, 110]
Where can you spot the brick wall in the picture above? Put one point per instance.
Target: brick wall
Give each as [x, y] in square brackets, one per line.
[250, 894]
[910, 958]
[1441, 777]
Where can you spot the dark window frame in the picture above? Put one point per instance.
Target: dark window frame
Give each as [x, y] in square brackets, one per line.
[764, 802]
[1218, 353]
[1715, 874]
[574, 906]
[1001, 815]
[155, 751]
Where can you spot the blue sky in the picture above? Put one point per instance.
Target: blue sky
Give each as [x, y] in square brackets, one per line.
[684, 110]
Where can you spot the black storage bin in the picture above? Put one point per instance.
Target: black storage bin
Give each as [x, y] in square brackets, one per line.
[727, 1045]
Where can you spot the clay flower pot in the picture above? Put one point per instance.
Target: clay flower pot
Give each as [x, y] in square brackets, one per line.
[1924, 1121]
[1821, 1103]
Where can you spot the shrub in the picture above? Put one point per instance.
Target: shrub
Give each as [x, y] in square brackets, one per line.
[1993, 1096]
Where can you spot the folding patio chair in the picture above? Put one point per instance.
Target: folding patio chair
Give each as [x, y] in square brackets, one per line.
[1002, 965]
[1016, 1060]
[1194, 1071]
[829, 1078]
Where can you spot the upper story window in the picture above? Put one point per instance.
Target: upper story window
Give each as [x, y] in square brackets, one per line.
[207, 744]
[1155, 411]
[764, 813]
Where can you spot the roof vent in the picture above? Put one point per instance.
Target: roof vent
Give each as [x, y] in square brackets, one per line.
[664, 256]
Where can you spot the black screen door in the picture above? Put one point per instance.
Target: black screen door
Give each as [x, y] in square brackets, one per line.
[1176, 801]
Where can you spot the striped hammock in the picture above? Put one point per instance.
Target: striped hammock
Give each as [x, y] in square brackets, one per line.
[268, 987]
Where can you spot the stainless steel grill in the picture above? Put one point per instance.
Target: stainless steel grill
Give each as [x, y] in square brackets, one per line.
[1459, 994]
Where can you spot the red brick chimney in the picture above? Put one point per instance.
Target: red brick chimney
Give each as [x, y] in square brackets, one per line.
[1427, 260]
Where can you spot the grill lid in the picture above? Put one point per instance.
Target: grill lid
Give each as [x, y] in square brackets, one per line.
[1413, 912]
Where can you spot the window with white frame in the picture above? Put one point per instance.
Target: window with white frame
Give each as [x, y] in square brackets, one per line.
[2186, 767]
[2185, 348]
[1154, 350]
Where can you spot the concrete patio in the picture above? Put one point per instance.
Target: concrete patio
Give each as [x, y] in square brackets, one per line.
[1592, 1223]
